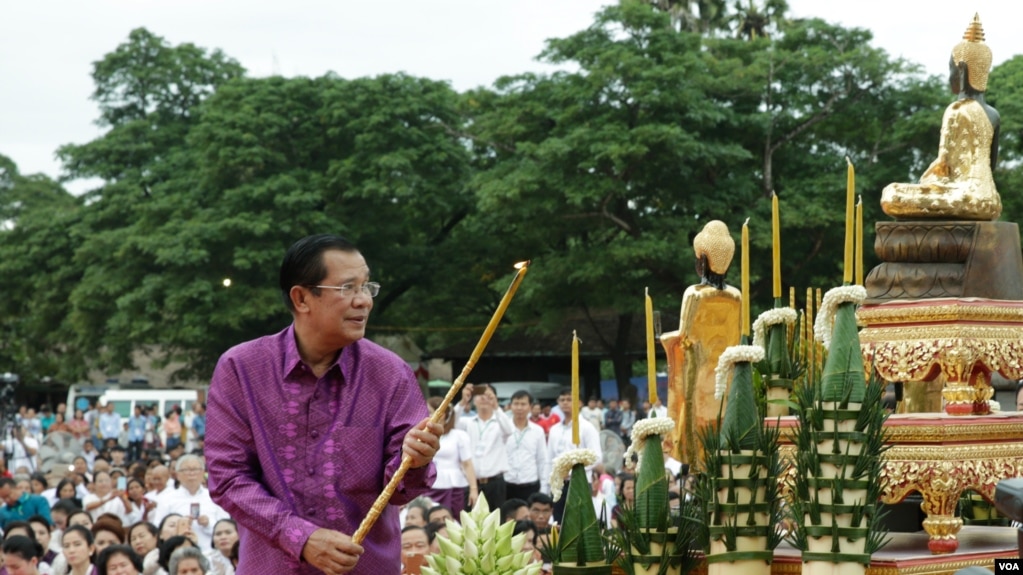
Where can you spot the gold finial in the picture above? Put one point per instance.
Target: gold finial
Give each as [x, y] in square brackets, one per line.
[717, 244]
[975, 31]
[975, 53]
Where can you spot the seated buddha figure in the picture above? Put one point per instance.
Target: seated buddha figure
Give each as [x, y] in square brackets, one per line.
[959, 183]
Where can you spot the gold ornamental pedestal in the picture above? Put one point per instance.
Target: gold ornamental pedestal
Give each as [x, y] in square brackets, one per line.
[958, 340]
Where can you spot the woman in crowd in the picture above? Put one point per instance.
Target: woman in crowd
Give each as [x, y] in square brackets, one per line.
[453, 460]
[59, 424]
[38, 483]
[79, 548]
[21, 555]
[105, 499]
[626, 498]
[107, 532]
[168, 547]
[79, 427]
[118, 560]
[188, 561]
[142, 537]
[82, 518]
[136, 495]
[42, 529]
[225, 535]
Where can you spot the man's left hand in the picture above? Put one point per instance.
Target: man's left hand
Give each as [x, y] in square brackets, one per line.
[422, 442]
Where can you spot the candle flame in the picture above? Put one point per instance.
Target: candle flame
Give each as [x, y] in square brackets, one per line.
[848, 161]
[521, 265]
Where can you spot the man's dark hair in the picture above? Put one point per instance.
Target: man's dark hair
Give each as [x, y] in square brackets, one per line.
[303, 262]
[429, 536]
[541, 498]
[7, 482]
[432, 529]
[565, 392]
[109, 552]
[510, 506]
[522, 393]
[431, 510]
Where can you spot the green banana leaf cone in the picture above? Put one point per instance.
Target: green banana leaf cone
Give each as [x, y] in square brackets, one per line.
[582, 547]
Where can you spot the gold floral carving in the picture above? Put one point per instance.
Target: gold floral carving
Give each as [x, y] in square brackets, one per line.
[894, 314]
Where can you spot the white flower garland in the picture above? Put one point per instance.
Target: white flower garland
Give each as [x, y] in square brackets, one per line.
[771, 317]
[644, 428]
[730, 357]
[563, 465]
[825, 322]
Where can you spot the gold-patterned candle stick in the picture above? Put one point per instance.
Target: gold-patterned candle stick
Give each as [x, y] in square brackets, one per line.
[745, 278]
[438, 415]
[859, 241]
[775, 247]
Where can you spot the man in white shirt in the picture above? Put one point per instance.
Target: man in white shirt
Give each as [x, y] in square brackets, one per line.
[593, 414]
[191, 500]
[527, 452]
[559, 441]
[20, 450]
[488, 431]
[109, 424]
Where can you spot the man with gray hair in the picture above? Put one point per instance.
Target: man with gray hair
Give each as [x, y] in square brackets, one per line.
[188, 560]
[191, 500]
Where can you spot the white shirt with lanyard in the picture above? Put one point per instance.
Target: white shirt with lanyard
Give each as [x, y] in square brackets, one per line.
[489, 457]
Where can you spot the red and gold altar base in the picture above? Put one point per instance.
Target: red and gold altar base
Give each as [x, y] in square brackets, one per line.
[959, 340]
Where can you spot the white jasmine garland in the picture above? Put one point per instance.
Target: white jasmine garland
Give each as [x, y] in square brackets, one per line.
[825, 322]
[771, 317]
[644, 428]
[563, 465]
[730, 357]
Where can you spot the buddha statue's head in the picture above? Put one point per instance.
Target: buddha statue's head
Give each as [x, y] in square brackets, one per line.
[714, 249]
[975, 54]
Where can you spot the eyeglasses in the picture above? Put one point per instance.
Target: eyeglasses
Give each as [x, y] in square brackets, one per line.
[416, 545]
[370, 289]
[190, 470]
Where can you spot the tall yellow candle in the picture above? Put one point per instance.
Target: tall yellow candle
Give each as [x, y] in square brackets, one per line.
[850, 193]
[745, 278]
[651, 358]
[575, 389]
[776, 245]
[859, 241]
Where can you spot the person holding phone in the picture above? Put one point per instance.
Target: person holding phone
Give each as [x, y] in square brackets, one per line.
[192, 501]
[106, 499]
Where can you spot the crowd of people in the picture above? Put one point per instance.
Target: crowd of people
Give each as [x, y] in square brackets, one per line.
[506, 454]
[134, 501]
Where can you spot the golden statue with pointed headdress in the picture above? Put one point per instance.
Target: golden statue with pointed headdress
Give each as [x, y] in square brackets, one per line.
[959, 184]
[710, 322]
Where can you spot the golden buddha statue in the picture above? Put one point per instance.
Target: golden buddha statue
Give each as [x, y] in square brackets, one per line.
[709, 323]
[959, 183]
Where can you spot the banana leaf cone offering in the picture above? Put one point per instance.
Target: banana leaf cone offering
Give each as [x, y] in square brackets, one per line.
[839, 440]
[772, 333]
[653, 538]
[580, 548]
[740, 492]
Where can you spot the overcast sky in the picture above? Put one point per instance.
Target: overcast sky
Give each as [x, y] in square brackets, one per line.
[47, 46]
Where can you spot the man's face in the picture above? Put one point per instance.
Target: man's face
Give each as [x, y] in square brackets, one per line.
[612, 404]
[340, 320]
[415, 541]
[520, 407]
[9, 494]
[565, 403]
[592, 404]
[540, 514]
[117, 458]
[159, 477]
[487, 400]
[535, 410]
[626, 406]
[439, 516]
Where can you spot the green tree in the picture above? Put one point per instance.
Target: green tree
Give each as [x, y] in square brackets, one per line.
[607, 173]
[1005, 93]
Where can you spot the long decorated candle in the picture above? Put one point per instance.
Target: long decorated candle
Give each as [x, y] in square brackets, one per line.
[850, 193]
[745, 278]
[776, 246]
[651, 358]
[575, 389]
[859, 241]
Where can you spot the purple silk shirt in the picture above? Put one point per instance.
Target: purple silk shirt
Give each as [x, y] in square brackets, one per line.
[288, 454]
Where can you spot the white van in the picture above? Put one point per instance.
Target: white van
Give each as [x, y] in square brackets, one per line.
[125, 400]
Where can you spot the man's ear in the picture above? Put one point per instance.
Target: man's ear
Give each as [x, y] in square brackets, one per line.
[300, 298]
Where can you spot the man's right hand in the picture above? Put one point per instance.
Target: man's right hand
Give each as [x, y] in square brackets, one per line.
[331, 551]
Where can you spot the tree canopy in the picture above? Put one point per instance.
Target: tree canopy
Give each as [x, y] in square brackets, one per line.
[665, 115]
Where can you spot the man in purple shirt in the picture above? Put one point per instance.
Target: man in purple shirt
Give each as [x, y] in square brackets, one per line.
[306, 427]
